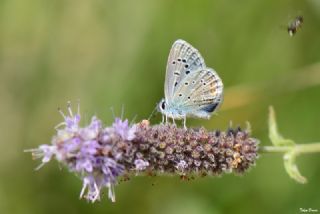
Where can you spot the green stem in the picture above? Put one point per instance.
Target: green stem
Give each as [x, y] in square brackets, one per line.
[298, 148]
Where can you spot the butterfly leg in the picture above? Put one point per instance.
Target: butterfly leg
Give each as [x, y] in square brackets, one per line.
[184, 122]
[173, 121]
[162, 119]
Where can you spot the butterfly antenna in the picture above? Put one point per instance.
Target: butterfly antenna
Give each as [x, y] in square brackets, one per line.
[152, 113]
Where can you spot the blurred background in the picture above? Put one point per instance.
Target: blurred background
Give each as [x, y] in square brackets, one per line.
[114, 53]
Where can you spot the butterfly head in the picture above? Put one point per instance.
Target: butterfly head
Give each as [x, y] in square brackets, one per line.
[162, 106]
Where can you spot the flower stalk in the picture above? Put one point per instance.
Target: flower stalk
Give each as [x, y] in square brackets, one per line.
[298, 148]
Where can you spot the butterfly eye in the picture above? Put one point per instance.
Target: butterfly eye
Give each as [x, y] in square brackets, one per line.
[163, 105]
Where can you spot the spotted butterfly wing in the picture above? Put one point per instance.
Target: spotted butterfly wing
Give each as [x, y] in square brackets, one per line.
[199, 94]
[183, 60]
[191, 89]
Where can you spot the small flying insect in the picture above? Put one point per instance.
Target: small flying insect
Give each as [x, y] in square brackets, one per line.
[295, 25]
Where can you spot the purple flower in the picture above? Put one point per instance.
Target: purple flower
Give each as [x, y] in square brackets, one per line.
[182, 165]
[123, 129]
[80, 149]
[91, 132]
[89, 148]
[71, 121]
[141, 164]
[93, 192]
[107, 177]
[84, 164]
[45, 152]
[85, 157]
[72, 145]
[111, 169]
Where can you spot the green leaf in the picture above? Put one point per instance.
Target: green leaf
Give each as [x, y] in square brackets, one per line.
[274, 135]
[291, 168]
[289, 157]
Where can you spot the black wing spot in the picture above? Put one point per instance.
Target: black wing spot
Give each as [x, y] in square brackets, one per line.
[186, 66]
[193, 82]
[210, 108]
[186, 83]
[180, 95]
[179, 60]
[188, 98]
[204, 83]
[176, 83]
[173, 62]
[187, 72]
[184, 60]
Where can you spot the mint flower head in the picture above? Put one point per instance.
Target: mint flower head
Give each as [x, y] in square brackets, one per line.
[101, 155]
[82, 151]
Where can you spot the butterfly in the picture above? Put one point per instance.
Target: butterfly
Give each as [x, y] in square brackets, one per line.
[191, 89]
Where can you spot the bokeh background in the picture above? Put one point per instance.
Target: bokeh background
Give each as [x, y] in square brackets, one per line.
[111, 54]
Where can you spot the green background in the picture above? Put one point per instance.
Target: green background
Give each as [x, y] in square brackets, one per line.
[114, 53]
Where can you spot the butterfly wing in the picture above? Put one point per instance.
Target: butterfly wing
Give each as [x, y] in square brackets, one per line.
[183, 60]
[199, 94]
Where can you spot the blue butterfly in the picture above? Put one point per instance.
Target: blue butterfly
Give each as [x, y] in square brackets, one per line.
[191, 89]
